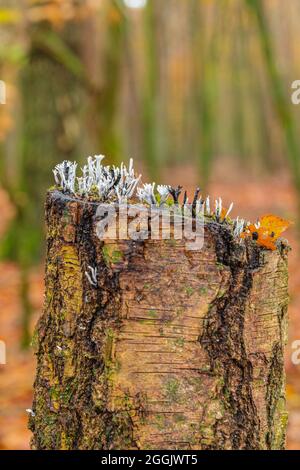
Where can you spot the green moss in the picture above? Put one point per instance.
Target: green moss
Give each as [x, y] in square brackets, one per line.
[152, 313]
[195, 382]
[66, 441]
[179, 342]
[203, 290]
[55, 397]
[108, 347]
[220, 266]
[111, 255]
[120, 434]
[125, 402]
[67, 394]
[226, 393]
[189, 291]
[117, 365]
[51, 419]
[172, 390]
[171, 241]
[111, 366]
[179, 312]
[117, 256]
[179, 418]
[221, 293]
[105, 254]
[280, 421]
[160, 421]
[35, 340]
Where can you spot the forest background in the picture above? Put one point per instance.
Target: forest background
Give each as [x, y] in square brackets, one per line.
[197, 92]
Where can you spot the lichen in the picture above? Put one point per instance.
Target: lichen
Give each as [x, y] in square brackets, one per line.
[172, 390]
[110, 183]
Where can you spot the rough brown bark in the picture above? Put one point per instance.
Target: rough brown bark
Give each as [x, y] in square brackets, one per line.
[172, 349]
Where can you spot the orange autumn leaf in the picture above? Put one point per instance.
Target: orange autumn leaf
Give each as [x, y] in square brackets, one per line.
[267, 230]
[274, 224]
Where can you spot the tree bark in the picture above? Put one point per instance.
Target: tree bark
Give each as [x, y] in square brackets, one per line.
[170, 349]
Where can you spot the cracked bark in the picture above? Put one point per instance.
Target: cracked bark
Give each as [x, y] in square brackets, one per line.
[172, 349]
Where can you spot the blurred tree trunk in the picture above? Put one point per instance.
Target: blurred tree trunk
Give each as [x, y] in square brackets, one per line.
[49, 131]
[277, 91]
[104, 62]
[247, 81]
[151, 88]
[155, 350]
[205, 86]
[238, 67]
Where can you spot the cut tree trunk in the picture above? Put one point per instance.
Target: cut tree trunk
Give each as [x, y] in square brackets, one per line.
[168, 349]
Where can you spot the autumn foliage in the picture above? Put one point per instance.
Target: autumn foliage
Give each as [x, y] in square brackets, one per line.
[266, 230]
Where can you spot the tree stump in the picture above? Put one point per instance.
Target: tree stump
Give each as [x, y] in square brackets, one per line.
[161, 348]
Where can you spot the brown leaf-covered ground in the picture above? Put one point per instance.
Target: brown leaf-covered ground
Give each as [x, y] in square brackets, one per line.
[252, 198]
